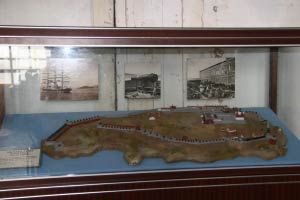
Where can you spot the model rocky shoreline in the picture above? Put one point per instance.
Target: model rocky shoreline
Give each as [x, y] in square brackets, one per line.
[200, 134]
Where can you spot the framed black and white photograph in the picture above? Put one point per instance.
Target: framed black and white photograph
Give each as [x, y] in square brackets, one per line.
[142, 80]
[211, 78]
[70, 78]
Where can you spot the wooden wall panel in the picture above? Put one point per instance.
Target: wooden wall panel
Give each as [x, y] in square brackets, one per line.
[103, 13]
[143, 13]
[267, 13]
[192, 13]
[46, 13]
[120, 13]
[172, 13]
[159, 13]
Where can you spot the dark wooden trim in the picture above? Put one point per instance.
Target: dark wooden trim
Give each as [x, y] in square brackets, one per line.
[272, 181]
[151, 37]
[150, 32]
[273, 78]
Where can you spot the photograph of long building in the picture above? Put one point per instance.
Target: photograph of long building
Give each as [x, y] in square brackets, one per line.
[215, 81]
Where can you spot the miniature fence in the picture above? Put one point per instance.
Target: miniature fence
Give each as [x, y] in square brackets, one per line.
[128, 128]
[124, 128]
[69, 124]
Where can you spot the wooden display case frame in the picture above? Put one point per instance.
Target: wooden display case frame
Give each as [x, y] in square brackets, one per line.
[261, 182]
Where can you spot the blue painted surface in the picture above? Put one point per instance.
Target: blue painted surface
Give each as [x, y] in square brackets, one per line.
[23, 131]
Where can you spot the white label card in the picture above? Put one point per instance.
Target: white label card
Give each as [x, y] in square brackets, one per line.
[19, 158]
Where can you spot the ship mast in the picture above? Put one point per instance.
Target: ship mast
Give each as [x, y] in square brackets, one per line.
[47, 79]
[62, 79]
[55, 77]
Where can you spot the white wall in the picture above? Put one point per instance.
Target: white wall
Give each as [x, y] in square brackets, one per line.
[159, 13]
[208, 13]
[57, 12]
[251, 13]
[288, 91]
[45, 12]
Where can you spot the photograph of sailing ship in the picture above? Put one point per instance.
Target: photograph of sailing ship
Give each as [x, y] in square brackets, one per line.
[211, 78]
[142, 80]
[70, 79]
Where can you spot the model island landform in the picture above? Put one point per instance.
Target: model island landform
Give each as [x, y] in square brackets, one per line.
[200, 134]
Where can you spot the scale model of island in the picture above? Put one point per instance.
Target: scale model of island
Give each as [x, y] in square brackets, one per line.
[199, 134]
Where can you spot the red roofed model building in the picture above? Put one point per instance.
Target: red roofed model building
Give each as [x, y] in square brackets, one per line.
[239, 115]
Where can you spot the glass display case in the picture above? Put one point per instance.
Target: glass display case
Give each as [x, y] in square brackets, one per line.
[143, 113]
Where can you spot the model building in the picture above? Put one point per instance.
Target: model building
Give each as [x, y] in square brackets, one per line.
[198, 134]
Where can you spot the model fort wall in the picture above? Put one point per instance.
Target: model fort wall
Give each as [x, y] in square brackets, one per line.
[64, 128]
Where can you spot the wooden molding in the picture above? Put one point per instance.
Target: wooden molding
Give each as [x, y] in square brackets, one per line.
[222, 183]
[148, 37]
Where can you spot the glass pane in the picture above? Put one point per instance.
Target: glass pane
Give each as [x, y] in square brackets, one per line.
[4, 52]
[4, 64]
[20, 52]
[82, 110]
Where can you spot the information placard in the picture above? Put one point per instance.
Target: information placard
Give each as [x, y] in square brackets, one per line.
[19, 158]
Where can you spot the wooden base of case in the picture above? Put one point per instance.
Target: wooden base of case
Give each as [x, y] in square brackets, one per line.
[277, 182]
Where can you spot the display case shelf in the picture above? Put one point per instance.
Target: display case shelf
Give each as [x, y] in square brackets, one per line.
[267, 182]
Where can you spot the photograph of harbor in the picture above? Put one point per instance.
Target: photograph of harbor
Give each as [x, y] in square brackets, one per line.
[142, 80]
[211, 78]
[70, 79]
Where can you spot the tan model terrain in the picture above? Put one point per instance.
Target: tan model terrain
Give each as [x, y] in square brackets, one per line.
[173, 136]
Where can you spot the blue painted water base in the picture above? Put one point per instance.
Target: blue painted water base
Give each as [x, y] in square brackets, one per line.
[27, 130]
